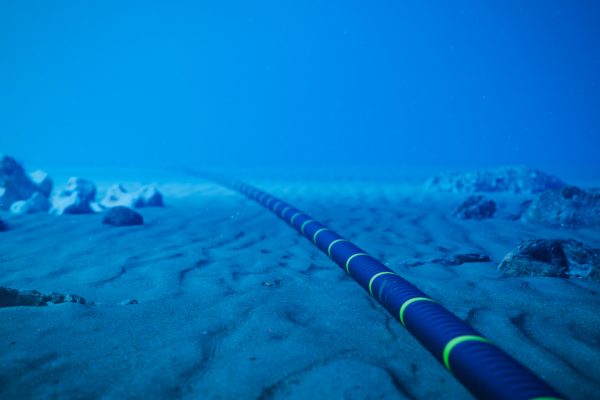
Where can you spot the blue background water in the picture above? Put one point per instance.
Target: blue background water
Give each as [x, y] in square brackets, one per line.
[461, 83]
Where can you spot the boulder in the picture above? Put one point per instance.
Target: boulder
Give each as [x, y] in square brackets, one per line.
[35, 204]
[78, 197]
[506, 179]
[14, 297]
[15, 185]
[146, 196]
[564, 258]
[569, 207]
[122, 216]
[475, 207]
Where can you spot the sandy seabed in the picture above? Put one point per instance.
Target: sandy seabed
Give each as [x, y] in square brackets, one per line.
[232, 303]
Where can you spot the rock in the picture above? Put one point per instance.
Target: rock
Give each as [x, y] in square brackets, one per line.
[149, 196]
[14, 297]
[43, 182]
[506, 179]
[146, 196]
[454, 260]
[14, 183]
[3, 226]
[475, 207]
[122, 216]
[128, 302]
[569, 207]
[564, 258]
[35, 204]
[460, 259]
[78, 197]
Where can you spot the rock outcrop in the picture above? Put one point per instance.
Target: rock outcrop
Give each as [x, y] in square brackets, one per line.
[569, 207]
[122, 216]
[35, 204]
[78, 197]
[146, 196]
[15, 185]
[476, 207]
[14, 297]
[564, 258]
[507, 179]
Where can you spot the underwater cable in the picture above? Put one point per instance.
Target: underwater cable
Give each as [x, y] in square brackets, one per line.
[481, 366]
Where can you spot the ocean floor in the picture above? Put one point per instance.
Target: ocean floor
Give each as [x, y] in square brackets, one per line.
[232, 303]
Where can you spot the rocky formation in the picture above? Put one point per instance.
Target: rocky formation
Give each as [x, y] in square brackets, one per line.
[43, 182]
[14, 297]
[507, 179]
[454, 260]
[569, 207]
[15, 185]
[35, 204]
[122, 216]
[78, 197]
[476, 207]
[146, 196]
[556, 258]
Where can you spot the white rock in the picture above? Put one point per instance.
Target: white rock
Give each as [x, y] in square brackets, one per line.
[146, 196]
[117, 195]
[36, 203]
[78, 197]
[149, 196]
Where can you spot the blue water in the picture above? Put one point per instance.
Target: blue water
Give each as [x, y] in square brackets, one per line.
[465, 83]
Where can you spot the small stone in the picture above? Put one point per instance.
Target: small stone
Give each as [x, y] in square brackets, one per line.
[459, 259]
[122, 216]
[149, 196]
[14, 297]
[476, 207]
[128, 302]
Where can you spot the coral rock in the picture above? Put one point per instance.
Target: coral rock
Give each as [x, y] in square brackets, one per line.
[556, 258]
[78, 197]
[507, 179]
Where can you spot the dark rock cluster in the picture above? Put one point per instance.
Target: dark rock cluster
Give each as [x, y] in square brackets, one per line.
[563, 258]
[122, 216]
[17, 186]
[14, 297]
[569, 207]
[506, 179]
[476, 207]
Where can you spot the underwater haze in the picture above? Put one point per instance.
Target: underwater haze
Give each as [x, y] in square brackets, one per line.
[299, 200]
[270, 83]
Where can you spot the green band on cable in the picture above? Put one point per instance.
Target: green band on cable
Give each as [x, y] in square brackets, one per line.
[408, 303]
[294, 217]
[546, 398]
[279, 202]
[375, 277]
[317, 234]
[455, 342]
[308, 221]
[270, 201]
[286, 209]
[331, 245]
[350, 259]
